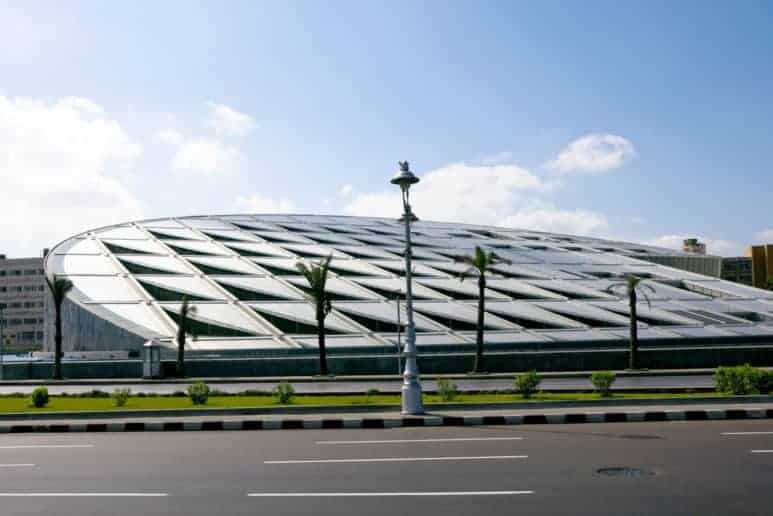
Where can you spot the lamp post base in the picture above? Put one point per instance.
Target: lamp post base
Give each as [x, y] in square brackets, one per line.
[411, 399]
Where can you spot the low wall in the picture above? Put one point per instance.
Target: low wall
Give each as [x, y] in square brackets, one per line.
[436, 363]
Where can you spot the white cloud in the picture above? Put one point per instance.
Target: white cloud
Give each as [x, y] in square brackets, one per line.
[593, 153]
[713, 246]
[206, 157]
[168, 137]
[544, 216]
[227, 120]
[456, 192]
[255, 203]
[765, 236]
[60, 164]
[498, 194]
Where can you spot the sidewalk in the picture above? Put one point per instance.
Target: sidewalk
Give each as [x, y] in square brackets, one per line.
[753, 408]
[572, 381]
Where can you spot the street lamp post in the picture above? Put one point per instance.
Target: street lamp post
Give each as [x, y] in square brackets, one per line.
[411, 391]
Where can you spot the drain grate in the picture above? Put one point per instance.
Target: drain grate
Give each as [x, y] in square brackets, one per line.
[625, 472]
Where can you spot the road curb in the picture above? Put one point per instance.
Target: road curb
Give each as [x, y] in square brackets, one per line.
[392, 422]
[311, 410]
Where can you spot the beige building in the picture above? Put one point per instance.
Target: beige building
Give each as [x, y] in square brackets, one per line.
[22, 297]
[762, 264]
[693, 246]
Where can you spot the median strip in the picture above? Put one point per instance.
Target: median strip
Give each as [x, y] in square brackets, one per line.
[308, 423]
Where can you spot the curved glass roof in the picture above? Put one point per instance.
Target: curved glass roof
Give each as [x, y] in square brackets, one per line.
[240, 272]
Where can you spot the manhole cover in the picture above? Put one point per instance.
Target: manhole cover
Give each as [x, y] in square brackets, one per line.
[624, 472]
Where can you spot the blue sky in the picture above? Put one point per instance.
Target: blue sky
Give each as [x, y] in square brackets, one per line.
[643, 121]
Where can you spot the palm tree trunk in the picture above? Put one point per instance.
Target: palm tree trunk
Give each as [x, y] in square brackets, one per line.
[180, 368]
[58, 342]
[633, 357]
[478, 367]
[321, 342]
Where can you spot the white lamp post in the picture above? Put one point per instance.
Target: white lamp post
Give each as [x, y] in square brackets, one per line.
[411, 392]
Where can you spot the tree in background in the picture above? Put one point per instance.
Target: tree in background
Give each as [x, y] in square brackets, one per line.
[632, 284]
[316, 276]
[480, 263]
[59, 288]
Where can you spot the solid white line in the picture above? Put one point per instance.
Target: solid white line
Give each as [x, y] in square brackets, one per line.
[408, 493]
[762, 451]
[394, 459]
[747, 433]
[84, 495]
[448, 440]
[17, 465]
[33, 446]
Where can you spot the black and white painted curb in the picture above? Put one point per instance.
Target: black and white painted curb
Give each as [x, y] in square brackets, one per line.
[394, 422]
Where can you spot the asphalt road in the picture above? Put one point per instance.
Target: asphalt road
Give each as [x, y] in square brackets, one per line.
[687, 468]
[392, 386]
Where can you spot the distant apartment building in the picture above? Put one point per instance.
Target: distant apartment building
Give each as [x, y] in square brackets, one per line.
[22, 298]
[707, 265]
[693, 246]
[737, 269]
[762, 264]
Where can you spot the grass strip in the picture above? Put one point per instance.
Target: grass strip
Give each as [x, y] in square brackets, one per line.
[9, 405]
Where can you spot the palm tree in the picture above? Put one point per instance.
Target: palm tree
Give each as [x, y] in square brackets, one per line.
[183, 328]
[59, 288]
[316, 275]
[632, 284]
[480, 262]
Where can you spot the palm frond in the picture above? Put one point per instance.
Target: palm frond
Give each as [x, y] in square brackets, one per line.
[316, 276]
[614, 286]
[59, 288]
[467, 272]
[650, 287]
[495, 259]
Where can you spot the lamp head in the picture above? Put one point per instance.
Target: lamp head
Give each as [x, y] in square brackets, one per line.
[404, 177]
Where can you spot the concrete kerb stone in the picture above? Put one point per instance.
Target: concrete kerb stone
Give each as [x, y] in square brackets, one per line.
[395, 422]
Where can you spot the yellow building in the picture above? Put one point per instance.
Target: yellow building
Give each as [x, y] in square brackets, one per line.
[762, 264]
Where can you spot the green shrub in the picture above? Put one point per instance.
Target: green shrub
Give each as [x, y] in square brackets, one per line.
[96, 393]
[121, 396]
[372, 392]
[39, 397]
[283, 393]
[740, 380]
[447, 390]
[178, 394]
[765, 382]
[526, 383]
[602, 381]
[199, 393]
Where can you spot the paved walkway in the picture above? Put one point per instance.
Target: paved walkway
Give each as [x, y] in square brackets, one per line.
[385, 386]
